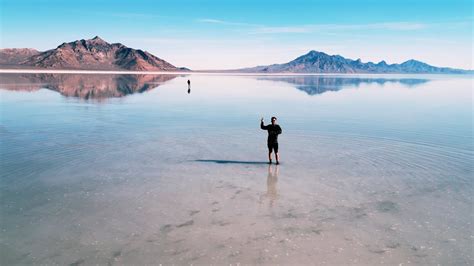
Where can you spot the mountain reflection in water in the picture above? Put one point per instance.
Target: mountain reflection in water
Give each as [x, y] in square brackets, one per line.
[101, 86]
[314, 85]
[85, 86]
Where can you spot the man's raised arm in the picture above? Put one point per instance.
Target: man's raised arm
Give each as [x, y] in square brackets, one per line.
[262, 126]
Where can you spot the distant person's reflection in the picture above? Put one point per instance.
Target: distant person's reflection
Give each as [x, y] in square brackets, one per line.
[272, 180]
[189, 86]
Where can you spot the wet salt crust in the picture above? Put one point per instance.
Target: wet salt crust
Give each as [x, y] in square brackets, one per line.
[115, 169]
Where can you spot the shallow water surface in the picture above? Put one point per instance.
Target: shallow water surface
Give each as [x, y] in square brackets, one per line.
[136, 169]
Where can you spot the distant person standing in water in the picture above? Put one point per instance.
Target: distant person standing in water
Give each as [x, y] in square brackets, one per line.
[272, 142]
[189, 86]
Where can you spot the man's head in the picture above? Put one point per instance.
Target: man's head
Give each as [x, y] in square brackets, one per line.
[274, 119]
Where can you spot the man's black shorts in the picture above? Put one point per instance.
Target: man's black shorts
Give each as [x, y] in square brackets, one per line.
[273, 146]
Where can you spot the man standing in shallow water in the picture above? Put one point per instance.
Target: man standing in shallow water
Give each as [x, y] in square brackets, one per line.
[272, 142]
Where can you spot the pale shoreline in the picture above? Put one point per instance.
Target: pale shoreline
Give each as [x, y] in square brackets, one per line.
[114, 72]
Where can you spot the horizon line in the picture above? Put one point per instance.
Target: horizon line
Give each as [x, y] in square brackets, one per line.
[199, 72]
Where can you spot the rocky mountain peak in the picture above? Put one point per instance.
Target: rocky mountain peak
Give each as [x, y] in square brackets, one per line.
[97, 54]
[98, 40]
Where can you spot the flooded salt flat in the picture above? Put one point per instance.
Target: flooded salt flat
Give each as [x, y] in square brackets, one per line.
[133, 169]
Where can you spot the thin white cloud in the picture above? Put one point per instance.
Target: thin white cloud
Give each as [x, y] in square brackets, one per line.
[129, 15]
[394, 26]
[270, 30]
[398, 26]
[210, 20]
[192, 41]
[320, 28]
[224, 22]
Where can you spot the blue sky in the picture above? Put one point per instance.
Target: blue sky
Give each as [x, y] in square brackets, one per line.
[230, 34]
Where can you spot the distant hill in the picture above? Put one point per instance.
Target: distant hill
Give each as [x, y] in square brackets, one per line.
[92, 54]
[319, 62]
[13, 56]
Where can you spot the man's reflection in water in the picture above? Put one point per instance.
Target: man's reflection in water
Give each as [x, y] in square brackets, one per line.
[189, 86]
[272, 180]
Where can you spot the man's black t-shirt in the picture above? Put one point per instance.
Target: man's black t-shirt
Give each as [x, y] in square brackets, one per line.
[273, 132]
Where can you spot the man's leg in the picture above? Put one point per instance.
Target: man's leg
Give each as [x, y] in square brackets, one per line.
[277, 157]
[270, 150]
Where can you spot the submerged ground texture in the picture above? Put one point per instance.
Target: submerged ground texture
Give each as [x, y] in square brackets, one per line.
[372, 173]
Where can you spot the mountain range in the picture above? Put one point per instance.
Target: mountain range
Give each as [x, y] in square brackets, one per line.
[319, 62]
[97, 54]
[92, 54]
